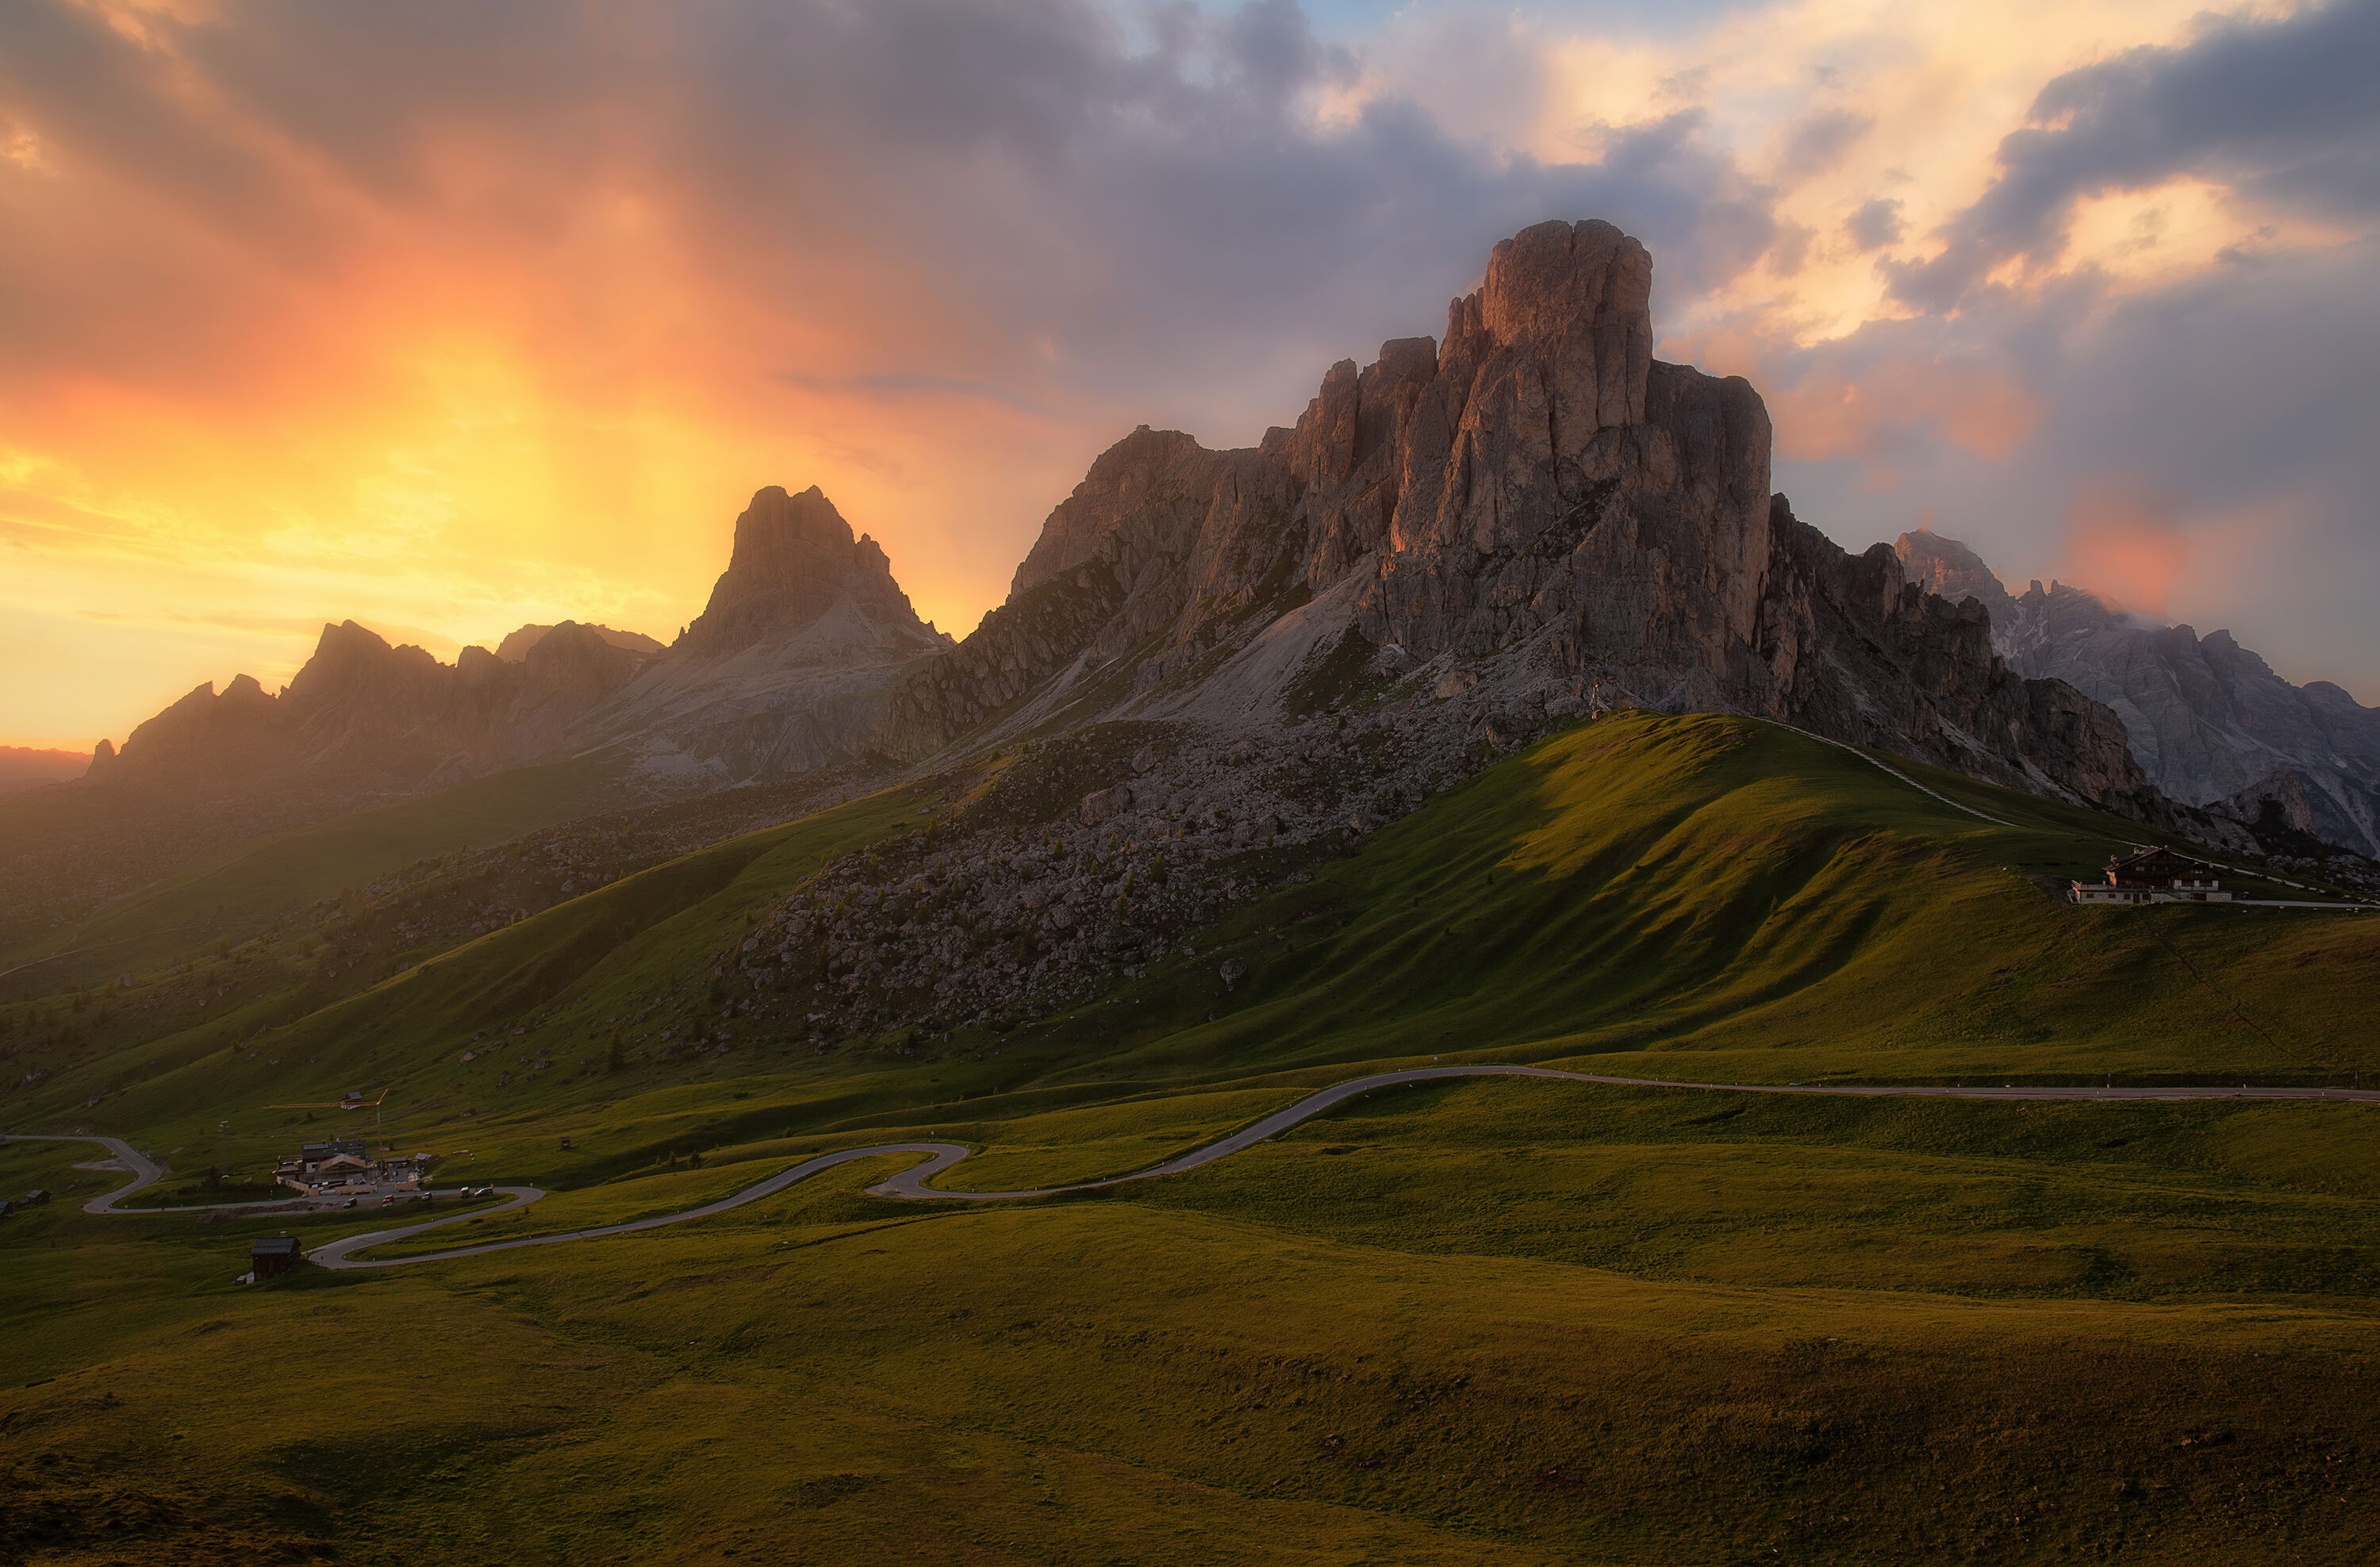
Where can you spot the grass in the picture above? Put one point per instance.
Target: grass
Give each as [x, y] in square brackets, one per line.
[1492, 1321]
[240, 891]
[1253, 1357]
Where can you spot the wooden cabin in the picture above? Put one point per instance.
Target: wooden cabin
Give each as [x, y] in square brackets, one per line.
[272, 1256]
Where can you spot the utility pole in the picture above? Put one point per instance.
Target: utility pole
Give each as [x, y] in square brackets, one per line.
[225, 1128]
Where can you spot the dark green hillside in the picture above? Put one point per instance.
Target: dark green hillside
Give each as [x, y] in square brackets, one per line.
[1699, 897]
[1753, 905]
[234, 894]
[656, 929]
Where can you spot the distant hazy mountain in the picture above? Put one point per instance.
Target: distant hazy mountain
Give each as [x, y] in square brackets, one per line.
[2210, 722]
[515, 647]
[22, 767]
[785, 669]
[365, 718]
[788, 669]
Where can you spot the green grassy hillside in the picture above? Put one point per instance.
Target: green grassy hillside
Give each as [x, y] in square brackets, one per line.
[1702, 897]
[234, 894]
[1504, 1320]
[1744, 903]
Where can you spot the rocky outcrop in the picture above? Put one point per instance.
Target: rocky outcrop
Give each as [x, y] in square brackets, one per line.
[796, 566]
[790, 666]
[1856, 651]
[2318, 803]
[2208, 721]
[1533, 506]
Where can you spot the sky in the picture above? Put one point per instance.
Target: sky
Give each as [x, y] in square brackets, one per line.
[450, 317]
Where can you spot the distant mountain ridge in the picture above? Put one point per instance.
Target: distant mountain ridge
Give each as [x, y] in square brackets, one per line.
[2208, 720]
[29, 767]
[515, 647]
[365, 718]
[782, 671]
[787, 670]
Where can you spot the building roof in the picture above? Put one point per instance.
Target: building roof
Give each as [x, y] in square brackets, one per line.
[274, 1245]
[2159, 863]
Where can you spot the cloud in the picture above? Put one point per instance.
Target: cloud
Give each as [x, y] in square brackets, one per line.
[1819, 142]
[2123, 539]
[484, 302]
[1874, 224]
[2281, 110]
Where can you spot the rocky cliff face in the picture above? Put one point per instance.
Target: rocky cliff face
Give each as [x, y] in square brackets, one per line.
[2208, 721]
[795, 567]
[1529, 517]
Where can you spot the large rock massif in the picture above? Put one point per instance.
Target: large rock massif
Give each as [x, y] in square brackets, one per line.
[1453, 549]
[1530, 518]
[2209, 721]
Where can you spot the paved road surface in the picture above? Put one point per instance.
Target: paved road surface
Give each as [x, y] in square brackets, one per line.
[910, 1184]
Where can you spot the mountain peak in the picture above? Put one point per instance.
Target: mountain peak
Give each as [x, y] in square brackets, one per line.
[1949, 567]
[517, 645]
[795, 560]
[1582, 294]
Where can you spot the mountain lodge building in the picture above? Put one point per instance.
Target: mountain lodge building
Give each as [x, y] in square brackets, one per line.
[2155, 876]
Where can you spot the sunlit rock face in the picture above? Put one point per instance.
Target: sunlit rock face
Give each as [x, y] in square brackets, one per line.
[2208, 721]
[1532, 513]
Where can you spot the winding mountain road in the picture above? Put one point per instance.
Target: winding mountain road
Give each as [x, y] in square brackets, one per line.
[910, 1184]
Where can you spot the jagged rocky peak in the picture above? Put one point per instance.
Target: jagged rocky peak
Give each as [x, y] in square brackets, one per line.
[795, 562]
[352, 661]
[1949, 567]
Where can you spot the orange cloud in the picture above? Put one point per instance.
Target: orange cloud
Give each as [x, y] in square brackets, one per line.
[1861, 410]
[2123, 542]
